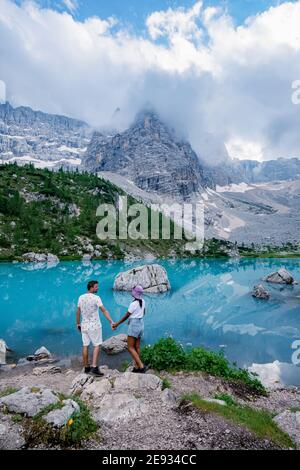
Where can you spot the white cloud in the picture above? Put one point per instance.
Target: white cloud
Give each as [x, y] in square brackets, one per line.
[206, 76]
[172, 23]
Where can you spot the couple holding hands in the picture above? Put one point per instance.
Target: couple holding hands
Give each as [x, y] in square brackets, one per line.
[89, 324]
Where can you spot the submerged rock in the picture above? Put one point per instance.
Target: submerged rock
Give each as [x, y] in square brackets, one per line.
[153, 278]
[115, 345]
[260, 292]
[282, 276]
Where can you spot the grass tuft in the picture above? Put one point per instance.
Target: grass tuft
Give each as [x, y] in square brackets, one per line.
[8, 391]
[259, 422]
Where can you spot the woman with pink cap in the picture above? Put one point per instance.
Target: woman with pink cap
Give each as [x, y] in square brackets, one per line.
[135, 313]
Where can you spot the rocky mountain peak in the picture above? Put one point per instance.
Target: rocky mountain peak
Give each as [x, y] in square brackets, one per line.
[148, 154]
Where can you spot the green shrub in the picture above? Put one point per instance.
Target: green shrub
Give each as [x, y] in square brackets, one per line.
[168, 354]
[165, 354]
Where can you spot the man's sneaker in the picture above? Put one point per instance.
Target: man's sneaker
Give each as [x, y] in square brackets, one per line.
[95, 371]
[143, 370]
[87, 369]
[135, 370]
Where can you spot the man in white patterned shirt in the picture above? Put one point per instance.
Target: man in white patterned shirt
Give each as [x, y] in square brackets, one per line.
[89, 324]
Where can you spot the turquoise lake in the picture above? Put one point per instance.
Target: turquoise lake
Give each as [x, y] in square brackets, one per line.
[210, 305]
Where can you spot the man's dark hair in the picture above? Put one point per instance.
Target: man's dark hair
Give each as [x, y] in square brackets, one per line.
[91, 284]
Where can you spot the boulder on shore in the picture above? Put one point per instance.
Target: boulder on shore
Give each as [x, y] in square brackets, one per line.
[3, 351]
[40, 354]
[137, 382]
[115, 345]
[29, 400]
[282, 276]
[153, 278]
[119, 407]
[260, 292]
[48, 258]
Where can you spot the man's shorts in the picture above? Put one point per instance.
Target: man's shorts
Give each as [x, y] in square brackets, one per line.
[93, 336]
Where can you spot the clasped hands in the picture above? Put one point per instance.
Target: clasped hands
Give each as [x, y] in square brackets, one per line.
[113, 325]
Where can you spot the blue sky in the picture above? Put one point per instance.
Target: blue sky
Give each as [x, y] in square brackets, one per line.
[134, 12]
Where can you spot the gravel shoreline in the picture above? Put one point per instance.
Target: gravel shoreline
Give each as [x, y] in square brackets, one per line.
[162, 427]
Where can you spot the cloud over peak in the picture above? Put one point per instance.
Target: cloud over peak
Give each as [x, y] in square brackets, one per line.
[203, 74]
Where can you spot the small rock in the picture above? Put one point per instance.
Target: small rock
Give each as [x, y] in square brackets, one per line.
[260, 292]
[46, 370]
[214, 400]
[169, 398]
[86, 258]
[59, 418]
[80, 382]
[42, 352]
[115, 345]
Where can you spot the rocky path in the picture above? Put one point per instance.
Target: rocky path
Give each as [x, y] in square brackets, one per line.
[133, 412]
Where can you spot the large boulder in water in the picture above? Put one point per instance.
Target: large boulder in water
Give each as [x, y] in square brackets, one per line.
[152, 277]
[282, 276]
